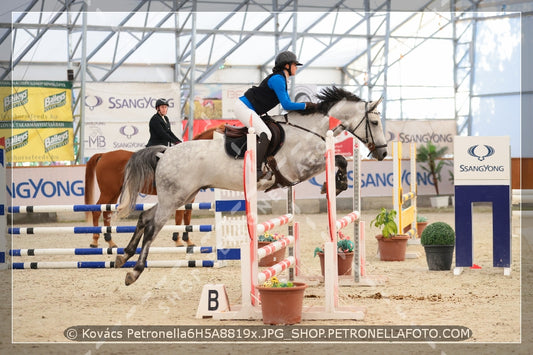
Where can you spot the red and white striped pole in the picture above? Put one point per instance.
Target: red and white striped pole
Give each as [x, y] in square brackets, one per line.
[331, 280]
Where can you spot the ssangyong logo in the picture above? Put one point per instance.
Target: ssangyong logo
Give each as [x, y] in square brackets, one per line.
[481, 154]
[128, 131]
[92, 101]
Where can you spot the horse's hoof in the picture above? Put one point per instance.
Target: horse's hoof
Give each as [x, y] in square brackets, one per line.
[130, 278]
[113, 245]
[93, 245]
[191, 245]
[119, 261]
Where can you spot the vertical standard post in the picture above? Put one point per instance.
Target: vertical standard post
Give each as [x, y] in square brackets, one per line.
[3, 219]
[331, 280]
[290, 229]
[397, 190]
[358, 247]
[250, 193]
[413, 187]
[482, 173]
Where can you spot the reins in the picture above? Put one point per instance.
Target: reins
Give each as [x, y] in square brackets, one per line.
[286, 116]
[368, 132]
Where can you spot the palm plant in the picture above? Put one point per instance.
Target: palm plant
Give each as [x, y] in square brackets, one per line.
[429, 154]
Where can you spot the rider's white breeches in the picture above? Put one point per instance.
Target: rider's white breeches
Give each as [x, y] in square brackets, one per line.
[244, 114]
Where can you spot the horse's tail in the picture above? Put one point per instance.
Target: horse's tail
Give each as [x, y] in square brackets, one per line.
[139, 174]
[90, 174]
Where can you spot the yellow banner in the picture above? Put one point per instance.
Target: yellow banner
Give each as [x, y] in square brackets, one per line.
[36, 120]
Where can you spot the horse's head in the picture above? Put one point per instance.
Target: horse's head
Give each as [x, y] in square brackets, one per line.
[358, 117]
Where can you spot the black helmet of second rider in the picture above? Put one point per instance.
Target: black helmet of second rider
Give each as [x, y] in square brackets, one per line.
[161, 102]
[286, 57]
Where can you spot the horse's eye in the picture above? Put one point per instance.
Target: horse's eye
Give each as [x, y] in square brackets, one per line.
[375, 123]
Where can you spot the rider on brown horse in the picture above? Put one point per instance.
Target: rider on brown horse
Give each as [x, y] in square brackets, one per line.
[160, 132]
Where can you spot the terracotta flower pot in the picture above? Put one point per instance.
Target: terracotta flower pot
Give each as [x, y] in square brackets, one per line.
[282, 305]
[344, 263]
[273, 258]
[420, 226]
[392, 249]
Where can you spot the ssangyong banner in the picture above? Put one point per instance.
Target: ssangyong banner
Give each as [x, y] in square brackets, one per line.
[438, 132]
[129, 102]
[482, 160]
[36, 121]
[65, 185]
[117, 115]
[102, 137]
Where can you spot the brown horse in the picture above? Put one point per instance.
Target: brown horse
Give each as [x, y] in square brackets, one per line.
[108, 168]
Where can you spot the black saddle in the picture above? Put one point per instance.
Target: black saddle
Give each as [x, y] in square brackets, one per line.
[235, 139]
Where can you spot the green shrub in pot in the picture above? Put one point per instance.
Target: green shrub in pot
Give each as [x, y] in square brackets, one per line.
[438, 233]
[438, 240]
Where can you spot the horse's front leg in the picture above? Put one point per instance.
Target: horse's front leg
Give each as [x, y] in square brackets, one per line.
[341, 176]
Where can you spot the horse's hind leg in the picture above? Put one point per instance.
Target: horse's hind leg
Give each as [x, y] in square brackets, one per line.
[130, 249]
[107, 236]
[96, 236]
[186, 217]
[151, 229]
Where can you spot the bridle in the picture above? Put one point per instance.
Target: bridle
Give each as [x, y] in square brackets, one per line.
[369, 137]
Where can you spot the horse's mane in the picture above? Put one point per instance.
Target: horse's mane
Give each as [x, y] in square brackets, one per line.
[332, 95]
[329, 97]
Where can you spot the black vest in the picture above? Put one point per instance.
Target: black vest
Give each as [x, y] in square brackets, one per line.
[263, 98]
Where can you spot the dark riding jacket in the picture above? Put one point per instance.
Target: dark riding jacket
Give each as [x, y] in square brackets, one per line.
[160, 132]
[271, 91]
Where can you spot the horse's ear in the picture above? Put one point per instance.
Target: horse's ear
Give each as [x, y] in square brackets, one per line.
[374, 104]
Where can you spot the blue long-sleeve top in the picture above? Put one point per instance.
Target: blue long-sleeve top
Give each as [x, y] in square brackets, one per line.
[268, 94]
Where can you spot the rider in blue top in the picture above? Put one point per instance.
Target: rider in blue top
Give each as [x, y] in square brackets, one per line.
[258, 100]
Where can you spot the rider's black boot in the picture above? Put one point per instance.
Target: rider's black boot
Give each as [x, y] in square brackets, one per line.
[262, 147]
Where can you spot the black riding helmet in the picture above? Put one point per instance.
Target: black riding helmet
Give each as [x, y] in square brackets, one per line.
[160, 102]
[286, 57]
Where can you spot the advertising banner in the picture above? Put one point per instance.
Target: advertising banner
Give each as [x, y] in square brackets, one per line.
[438, 132]
[65, 184]
[129, 102]
[36, 121]
[482, 160]
[102, 137]
[117, 114]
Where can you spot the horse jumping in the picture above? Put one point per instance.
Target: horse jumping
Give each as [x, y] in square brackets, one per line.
[182, 170]
[108, 169]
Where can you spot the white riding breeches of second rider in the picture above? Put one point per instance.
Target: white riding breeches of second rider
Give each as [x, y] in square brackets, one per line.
[248, 116]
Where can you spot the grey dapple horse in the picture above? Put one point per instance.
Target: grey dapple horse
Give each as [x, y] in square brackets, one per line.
[184, 169]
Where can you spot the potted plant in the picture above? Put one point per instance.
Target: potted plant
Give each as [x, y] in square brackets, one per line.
[429, 154]
[392, 246]
[344, 255]
[281, 302]
[438, 240]
[421, 224]
[277, 256]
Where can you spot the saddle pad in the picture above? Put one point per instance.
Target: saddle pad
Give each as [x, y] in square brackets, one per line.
[235, 147]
